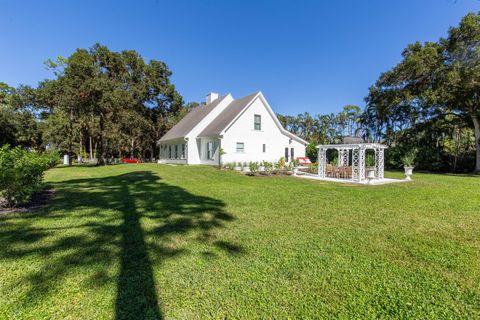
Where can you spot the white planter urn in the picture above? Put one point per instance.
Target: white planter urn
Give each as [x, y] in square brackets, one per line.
[408, 173]
[370, 174]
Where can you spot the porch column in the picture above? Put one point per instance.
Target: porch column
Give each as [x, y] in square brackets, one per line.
[379, 163]
[322, 162]
[340, 157]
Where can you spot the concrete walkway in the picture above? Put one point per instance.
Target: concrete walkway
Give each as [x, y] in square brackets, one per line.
[373, 182]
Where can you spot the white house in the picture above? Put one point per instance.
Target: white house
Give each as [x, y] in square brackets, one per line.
[230, 130]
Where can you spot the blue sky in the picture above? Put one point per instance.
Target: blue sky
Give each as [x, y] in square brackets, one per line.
[314, 56]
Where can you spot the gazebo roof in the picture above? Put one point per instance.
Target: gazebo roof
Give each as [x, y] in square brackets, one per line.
[353, 146]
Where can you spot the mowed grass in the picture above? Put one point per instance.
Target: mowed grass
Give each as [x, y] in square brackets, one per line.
[155, 241]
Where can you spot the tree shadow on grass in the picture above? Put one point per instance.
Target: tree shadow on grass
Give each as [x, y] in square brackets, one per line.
[94, 223]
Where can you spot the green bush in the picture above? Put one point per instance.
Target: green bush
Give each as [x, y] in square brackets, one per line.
[313, 168]
[21, 173]
[253, 166]
[52, 158]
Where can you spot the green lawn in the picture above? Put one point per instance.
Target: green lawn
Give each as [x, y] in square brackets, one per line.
[152, 241]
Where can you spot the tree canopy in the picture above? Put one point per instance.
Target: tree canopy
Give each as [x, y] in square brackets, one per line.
[107, 103]
[432, 93]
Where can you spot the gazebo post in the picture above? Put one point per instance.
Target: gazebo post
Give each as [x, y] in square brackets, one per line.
[361, 164]
[340, 157]
[322, 162]
[379, 163]
[355, 164]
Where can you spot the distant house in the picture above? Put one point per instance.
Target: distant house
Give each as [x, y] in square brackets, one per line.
[230, 130]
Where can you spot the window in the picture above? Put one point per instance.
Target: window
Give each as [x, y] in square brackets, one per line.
[286, 154]
[176, 151]
[183, 151]
[292, 154]
[210, 150]
[264, 148]
[169, 152]
[240, 147]
[257, 122]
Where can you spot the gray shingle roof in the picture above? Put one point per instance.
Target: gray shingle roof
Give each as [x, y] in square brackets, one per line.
[220, 123]
[352, 140]
[191, 119]
[226, 116]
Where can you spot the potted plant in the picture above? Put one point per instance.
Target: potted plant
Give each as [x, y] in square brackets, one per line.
[221, 152]
[408, 161]
[370, 166]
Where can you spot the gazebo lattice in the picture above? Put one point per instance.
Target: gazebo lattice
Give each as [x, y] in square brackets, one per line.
[358, 155]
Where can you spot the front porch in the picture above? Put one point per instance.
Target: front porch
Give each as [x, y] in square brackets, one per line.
[173, 152]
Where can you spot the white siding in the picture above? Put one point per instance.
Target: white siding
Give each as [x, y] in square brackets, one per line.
[270, 135]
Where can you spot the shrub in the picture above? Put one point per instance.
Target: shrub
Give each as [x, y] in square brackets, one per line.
[22, 173]
[313, 168]
[289, 166]
[281, 163]
[295, 163]
[253, 166]
[52, 158]
[268, 166]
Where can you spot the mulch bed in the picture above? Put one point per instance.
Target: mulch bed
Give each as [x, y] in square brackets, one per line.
[39, 199]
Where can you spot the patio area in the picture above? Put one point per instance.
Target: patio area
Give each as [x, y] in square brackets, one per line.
[360, 163]
[371, 182]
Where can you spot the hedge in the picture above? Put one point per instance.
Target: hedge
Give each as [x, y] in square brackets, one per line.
[21, 173]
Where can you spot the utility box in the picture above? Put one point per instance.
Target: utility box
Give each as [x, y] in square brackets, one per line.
[66, 159]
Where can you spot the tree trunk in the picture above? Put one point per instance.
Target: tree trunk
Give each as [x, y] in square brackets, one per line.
[101, 146]
[91, 149]
[476, 124]
[132, 146]
[457, 148]
[70, 139]
[80, 154]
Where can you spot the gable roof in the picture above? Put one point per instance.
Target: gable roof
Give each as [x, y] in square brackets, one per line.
[223, 120]
[191, 119]
[227, 116]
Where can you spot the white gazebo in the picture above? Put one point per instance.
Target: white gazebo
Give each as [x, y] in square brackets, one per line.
[351, 162]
